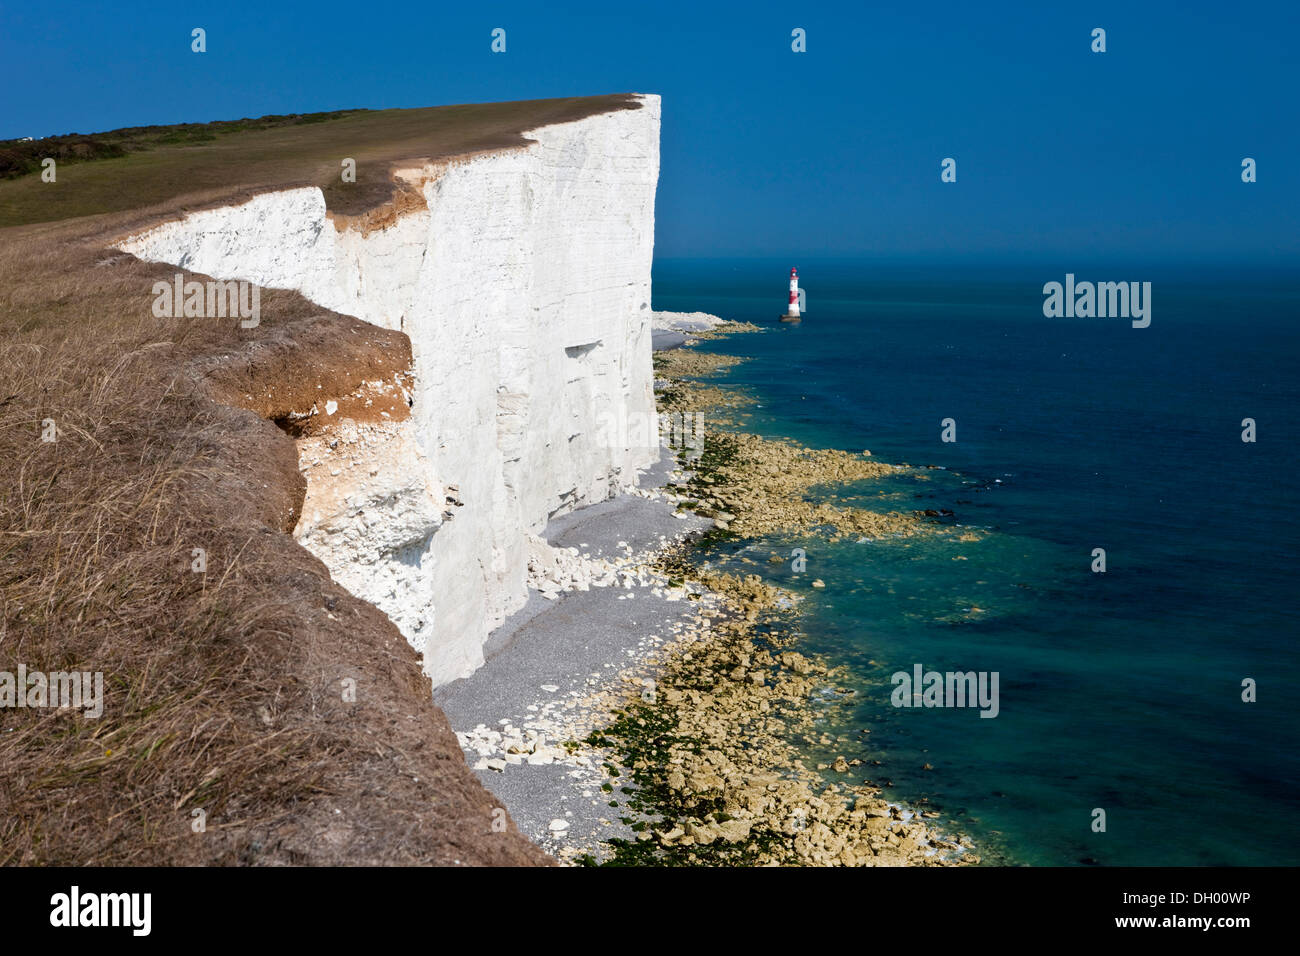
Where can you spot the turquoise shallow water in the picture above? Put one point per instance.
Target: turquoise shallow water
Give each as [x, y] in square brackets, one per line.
[1119, 691]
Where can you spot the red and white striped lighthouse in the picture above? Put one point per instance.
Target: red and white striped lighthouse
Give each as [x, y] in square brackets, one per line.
[792, 311]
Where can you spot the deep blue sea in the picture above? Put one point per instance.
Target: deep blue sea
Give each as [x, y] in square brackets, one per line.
[1119, 691]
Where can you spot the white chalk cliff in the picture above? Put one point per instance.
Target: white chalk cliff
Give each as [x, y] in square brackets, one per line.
[524, 287]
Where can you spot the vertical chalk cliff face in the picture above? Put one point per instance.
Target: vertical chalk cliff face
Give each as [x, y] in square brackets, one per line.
[524, 286]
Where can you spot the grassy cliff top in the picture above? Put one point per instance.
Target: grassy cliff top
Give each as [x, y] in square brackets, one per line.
[152, 165]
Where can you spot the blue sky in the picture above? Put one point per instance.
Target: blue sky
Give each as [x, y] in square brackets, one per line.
[1062, 154]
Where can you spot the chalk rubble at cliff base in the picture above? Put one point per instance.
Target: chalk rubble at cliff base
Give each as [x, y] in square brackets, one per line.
[560, 666]
[731, 789]
[712, 746]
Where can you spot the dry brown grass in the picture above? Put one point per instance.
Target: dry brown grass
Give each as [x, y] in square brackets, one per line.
[223, 689]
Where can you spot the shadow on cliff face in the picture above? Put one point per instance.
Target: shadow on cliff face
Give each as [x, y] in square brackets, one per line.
[146, 506]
